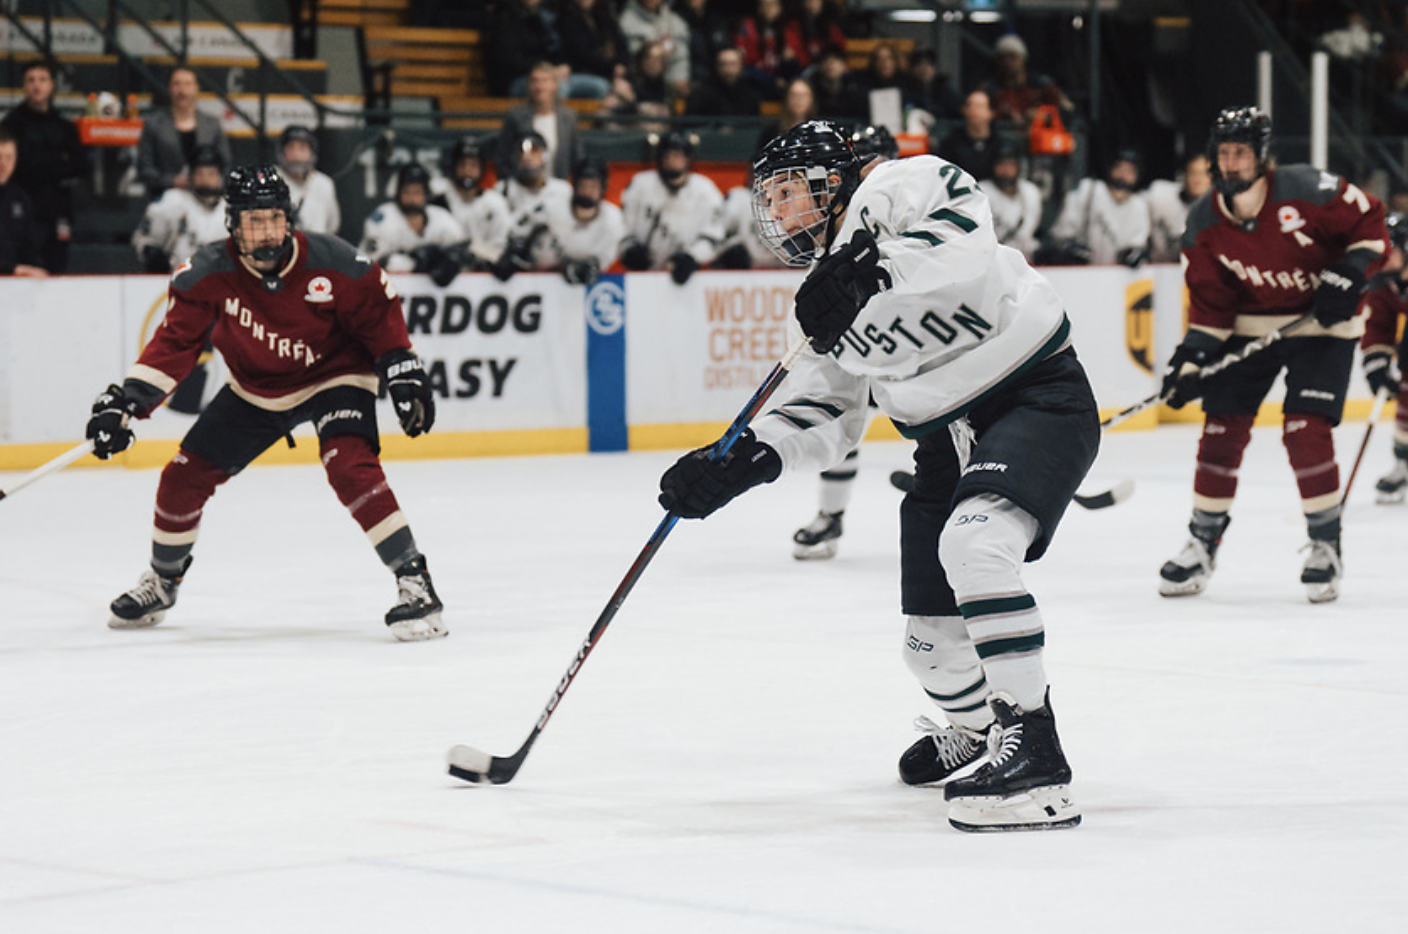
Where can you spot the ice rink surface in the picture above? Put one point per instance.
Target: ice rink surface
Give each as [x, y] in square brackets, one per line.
[269, 760]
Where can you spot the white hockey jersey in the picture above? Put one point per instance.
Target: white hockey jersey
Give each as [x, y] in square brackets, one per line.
[315, 200]
[741, 227]
[389, 239]
[1015, 217]
[178, 224]
[528, 208]
[963, 318]
[689, 220]
[485, 220]
[1168, 215]
[567, 239]
[1091, 215]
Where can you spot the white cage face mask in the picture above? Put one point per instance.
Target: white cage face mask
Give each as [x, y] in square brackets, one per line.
[790, 208]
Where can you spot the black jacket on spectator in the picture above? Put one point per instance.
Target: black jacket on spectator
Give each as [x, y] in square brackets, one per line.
[161, 153]
[50, 160]
[844, 101]
[713, 98]
[974, 156]
[592, 44]
[19, 234]
[518, 39]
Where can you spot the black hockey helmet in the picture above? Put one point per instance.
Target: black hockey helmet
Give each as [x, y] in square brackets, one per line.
[870, 141]
[674, 141]
[1397, 224]
[813, 159]
[255, 188]
[207, 155]
[1239, 125]
[297, 133]
[591, 167]
[412, 173]
[466, 147]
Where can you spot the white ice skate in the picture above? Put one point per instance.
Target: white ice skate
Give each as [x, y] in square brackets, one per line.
[1393, 486]
[146, 604]
[1322, 572]
[1188, 573]
[416, 615]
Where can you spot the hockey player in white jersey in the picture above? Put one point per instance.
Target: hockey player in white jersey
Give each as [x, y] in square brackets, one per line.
[583, 236]
[408, 234]
[674, 217]
[967, 349]
[1169, 202]
[529, 190]
[182, 220]
[313, 192]
[1016, 202]
[1106, 220]
[483, 214]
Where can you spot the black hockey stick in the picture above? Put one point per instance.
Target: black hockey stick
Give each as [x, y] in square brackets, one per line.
[474, 765]
[53, 466]
[1379, 399]
[1125, 488]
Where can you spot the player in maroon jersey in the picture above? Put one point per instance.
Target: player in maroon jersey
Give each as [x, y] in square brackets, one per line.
[1383, 372]
[1267, 245]
[307, 327]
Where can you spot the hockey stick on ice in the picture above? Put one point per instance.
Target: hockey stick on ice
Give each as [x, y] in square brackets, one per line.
[474, 765]
[53, 466]
[1379, 399]
[1125, 488]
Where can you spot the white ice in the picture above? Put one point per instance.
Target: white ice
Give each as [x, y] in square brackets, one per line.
[269, 760]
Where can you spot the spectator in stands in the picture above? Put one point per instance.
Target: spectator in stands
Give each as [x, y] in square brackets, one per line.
[409, 234]
[647, 92]
[724, 93]
[592, 41]
[51, 160]
[19, 232]
[646, 21]
[546, 115]
[971, 146]
[483, 214]
[816, 26]
[584, 234]
[771, 47]
[837, 93]
[183, 220]
[1104, 221]
[1015, 201]
[798, 106]
[883, 71]
[524, 33]
[531, 194]
[932, 95]
[1169, 202]
[313, 193]
[1014, 91]
[709, 31]
[674, 216]
[170, 136]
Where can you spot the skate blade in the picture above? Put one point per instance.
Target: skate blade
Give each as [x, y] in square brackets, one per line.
[1392, 498]
[1046, 808]
[1189, 588]
[141, 622]
[818, 552]
[1322, 593]
[419, 630]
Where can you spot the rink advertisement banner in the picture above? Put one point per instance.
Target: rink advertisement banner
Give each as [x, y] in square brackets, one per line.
[1113, 311]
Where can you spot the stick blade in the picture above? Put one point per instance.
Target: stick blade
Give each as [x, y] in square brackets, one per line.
[1116, 494]
[479, 768]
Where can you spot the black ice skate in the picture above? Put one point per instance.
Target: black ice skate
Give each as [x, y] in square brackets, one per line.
[1393, 486]
[416, 615]
[1025, 786]
[818, 539]
[943, 752]
[1188, 573]
[1322, 571]
[146, 604]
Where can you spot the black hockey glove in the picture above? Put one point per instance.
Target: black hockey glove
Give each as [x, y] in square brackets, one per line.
[112, 410]
[581, 272]
[838, 288]
[1337, 297]
[436, 262]
[682, 266]
[735, 257]
[155, 260]
[636, 257]
[508, 265]
[409, 387]
[1379, 374]
[1182, 384]
[697, 486]
[1133, 256]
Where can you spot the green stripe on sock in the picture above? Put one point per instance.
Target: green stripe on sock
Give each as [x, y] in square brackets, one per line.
[979, 608]
[1011, 646]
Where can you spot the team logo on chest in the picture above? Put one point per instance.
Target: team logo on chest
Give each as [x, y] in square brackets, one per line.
[319, 289]
[1291, 223]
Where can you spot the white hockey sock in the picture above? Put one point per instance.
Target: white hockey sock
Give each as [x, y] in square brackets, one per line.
[937, 649]
[837, 484]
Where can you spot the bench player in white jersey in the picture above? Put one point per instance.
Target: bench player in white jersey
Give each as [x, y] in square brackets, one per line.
[674, 216]
[967, 349]
[408, 234]
[482, 213]
[583, 235]
[529, 190]
[183, 220]
[313, 192]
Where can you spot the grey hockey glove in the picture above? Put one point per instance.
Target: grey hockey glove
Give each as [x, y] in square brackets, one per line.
[409, 387]
[697, 486]
[112, 410]
[1379, 374]
[838, 288]
[1337, 297]
[1182, 384]
[1133, 256]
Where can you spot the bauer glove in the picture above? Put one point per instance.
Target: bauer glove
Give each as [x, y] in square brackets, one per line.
[112, 410]
[1379, 372]
[1337, 296]
[838, 288]
[409, 387]
[1182, 384]
[697, 486]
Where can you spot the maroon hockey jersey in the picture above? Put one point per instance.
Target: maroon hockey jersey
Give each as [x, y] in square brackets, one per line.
[1386, 307]
[1251, 278]
[332, 313]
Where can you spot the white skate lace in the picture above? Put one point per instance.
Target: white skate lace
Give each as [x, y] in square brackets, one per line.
[1322, 557]
[150, 590]
[1194, 554]
[955, 746]
[1003, 743]
[1398, 476]
[413, 591]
